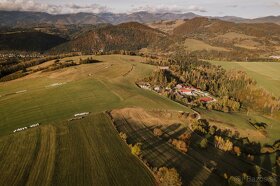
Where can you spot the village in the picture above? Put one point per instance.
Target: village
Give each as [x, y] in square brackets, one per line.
[181, 91]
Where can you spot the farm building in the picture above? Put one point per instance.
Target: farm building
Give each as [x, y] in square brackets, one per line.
[157, 88]
[187, 92]
[146, 86]
[206, 99]
[82, 114]
[164, 68]
[179, 86]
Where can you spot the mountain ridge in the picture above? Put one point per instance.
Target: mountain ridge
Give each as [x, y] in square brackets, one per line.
[25, 19]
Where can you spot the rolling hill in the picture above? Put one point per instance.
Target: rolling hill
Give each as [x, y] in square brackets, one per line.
[215, 26]
[242, 40]
[126, 36]
[26, 19]
[29, 41]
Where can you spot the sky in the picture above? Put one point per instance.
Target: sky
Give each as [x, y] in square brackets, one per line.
[240, 8]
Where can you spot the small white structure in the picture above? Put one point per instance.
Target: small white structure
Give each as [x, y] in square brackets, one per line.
[21, 91]
[179, 86]
[20, 129]
[56, 84]
[164, 68]
[76, 118]
[81, 114]
[146, 86]
[157, 88]
[34, 125]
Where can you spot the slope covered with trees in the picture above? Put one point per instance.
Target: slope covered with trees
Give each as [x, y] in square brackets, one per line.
[29, 41]
[127, 36]
[235, 89]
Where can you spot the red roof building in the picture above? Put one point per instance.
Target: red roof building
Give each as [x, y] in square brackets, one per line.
[206, 99]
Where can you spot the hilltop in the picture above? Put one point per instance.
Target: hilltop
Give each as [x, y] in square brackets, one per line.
[127, 36]
[214, 38]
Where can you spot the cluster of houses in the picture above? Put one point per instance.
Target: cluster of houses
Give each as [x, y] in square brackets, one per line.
[184, 91]
[25, 128]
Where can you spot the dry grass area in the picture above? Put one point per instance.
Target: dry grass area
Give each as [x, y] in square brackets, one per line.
[157, 151]
[152, 117]
[248, 44]
[166, 26]
[251, 133]
[234, 35]
[139, 124]
[197, 45]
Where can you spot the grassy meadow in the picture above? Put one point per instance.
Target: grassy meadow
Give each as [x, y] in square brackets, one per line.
[81, 152]
[88, 88]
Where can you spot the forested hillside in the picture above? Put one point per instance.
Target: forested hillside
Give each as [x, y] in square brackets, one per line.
[29, 41]
[127, 36]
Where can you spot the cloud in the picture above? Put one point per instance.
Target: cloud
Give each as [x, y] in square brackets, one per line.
[277, 4]
[93, 8]
[35, 6]
[232, 6]
[168, 8]
[31, 5]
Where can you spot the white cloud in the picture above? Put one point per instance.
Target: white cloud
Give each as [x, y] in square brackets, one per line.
[31, 5]
[168, 8]
[277, 4]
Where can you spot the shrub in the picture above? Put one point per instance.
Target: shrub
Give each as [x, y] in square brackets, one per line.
[235, 181]
[257, 171]
[168, 177]
[278, 161]
[88, 61]
[225, 145]
[185, 137]
[123, 136]
[204, 143]
[157, 132]
[237, 150]
[180, 145]
[136, 149]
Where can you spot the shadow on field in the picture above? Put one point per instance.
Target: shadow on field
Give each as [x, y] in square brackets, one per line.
[158, 152]
[198, 166]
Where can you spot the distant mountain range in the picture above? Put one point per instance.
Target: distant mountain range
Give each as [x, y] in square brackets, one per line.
[27, 19]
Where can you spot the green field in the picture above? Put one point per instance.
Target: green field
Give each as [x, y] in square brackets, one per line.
[82, 152]
[89, 151]
[241, 122]
[107, 88]
[265, 73]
